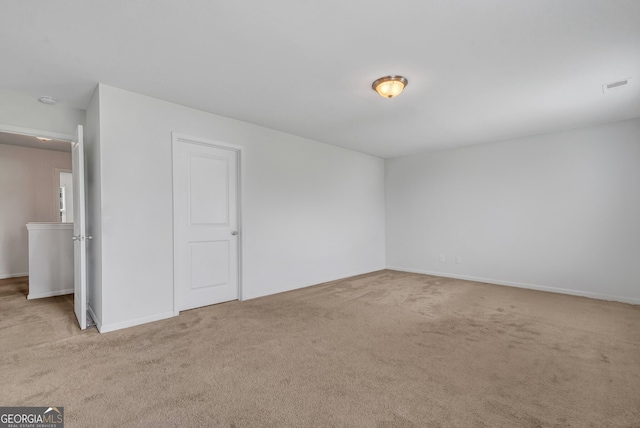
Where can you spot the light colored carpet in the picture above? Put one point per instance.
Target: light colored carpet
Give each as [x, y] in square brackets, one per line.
[387, 349]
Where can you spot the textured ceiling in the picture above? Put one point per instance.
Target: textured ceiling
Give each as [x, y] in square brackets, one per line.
[478, 70]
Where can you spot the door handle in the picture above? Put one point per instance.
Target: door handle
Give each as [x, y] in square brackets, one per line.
[75, 238]
[234, 233]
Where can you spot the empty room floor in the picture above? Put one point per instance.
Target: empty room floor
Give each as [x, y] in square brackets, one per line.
[386, 349]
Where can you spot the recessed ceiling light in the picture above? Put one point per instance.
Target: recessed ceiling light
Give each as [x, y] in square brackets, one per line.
[43, 139]
[389, 86]
[48, 100]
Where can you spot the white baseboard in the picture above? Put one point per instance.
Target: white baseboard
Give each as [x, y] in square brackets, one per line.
[32, 296]
[132, 323]
[291, 288]
[13, 275]
[599, 296]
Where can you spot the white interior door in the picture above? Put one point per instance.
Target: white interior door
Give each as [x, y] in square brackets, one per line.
[205, 224]
[79, 238]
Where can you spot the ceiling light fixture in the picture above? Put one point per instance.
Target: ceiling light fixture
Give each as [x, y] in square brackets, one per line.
[48, 100]
[389, 86]
[43, 139]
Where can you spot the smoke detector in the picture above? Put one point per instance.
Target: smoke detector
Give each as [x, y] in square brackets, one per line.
[615, 86]
[48, 100]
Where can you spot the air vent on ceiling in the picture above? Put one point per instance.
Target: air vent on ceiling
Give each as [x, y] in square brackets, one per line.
[615, 86]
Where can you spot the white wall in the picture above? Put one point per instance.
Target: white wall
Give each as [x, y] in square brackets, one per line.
[557, 211]
[311, 212]
[22, 111]
[27, 194]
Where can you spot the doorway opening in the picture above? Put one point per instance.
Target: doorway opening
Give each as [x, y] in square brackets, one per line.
[41, 168]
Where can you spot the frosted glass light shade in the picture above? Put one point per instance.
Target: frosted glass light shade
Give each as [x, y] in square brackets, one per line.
[389, 86]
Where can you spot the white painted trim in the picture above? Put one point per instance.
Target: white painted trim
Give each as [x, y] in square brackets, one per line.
[299, 287]
[36, 132]
[95, 318]
[174, 192]
[240, 202]
[599, 296]
[13, 275]
[176, 136]
[56, 187]
[179, 137]
[132, 323]
[32, 296]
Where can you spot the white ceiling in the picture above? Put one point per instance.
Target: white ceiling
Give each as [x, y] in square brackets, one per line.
[478, 70]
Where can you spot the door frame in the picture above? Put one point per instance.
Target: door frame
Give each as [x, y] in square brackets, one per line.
[37, 133]
[177, 138]
[56, 186]
[70, 138]
[31, 132]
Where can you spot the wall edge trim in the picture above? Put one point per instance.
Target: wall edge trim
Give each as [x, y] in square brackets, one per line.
[134, 322]
[580, 293]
